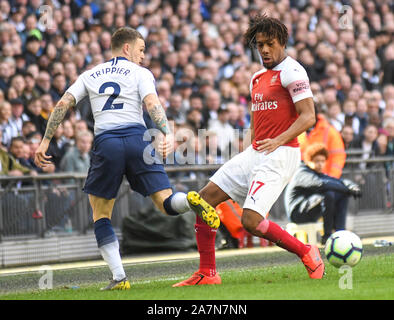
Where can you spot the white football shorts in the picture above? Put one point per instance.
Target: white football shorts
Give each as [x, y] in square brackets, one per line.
[255, 180]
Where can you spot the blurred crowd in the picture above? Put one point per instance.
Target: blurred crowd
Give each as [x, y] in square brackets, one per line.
[202, 68]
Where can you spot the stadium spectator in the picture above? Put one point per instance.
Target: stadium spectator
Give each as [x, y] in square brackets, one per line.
[18, 149]
[369, 75]
[361, 114]
[33, 111]
[324, 133]
[388, 125]
[11, 93]
[223, 130]
[30, 91]
[4, 76]
[348, 136]
[212, 105]
[375, 119]
[388, 65]
[58, 147]
[206, 38]
[235, 116]
[46, 105]
[368, 144]
[59, 86]
[80, 126]
[335, 115]
[17, 114]
[185, 89]
[194, 119]
[33, 47]
[8, 130]
[175, 111]
[348, 117]
[43, 83]
[68, 132]
[28, 127]
[18, 83]
[77, 158]
[10, 166]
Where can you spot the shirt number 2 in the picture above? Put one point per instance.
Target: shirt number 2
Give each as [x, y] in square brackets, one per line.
[109, 105]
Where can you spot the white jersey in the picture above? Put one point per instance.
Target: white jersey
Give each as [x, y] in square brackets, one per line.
[116, 90]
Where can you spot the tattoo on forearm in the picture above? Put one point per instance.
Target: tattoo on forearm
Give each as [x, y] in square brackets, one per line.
[57, 116]
[159, 117]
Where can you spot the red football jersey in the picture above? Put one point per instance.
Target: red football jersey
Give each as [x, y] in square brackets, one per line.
[274, 93]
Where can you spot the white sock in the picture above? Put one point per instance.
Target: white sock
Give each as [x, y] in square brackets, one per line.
[111, 255]
[179, 202]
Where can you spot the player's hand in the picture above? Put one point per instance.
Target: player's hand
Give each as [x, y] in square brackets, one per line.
[40, 158]
[166, 146]
[267, 145]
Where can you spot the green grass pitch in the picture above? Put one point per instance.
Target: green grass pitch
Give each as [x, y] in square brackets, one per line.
[269, 276]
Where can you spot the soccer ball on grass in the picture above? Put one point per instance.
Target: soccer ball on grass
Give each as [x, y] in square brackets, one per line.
[343, 248]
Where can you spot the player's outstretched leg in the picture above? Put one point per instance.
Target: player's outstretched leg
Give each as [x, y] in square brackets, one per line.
[264, 228]
[178, 203]
[205, 235]
[206, 273]
[203, 209]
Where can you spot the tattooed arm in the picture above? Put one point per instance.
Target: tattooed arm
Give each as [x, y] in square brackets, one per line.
[57, 116]
[157, 113]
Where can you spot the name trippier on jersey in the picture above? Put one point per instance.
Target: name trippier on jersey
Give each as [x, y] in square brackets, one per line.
[110, 70]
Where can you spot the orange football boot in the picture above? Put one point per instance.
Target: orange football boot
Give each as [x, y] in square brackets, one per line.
[313, 263]
[199, 278]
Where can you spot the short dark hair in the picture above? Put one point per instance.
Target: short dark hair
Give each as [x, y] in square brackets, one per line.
[271, 27]
[196, 95]
[124, 35]
[33, 100]
[17, 138]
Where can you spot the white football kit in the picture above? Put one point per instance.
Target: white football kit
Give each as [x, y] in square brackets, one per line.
[116, 90]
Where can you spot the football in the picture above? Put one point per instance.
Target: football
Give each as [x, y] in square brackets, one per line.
[343, 248]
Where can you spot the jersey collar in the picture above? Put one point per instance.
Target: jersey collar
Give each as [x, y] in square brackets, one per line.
[116, 59]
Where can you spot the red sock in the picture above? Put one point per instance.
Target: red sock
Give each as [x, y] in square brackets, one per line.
[282, 238]
[205, 237]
